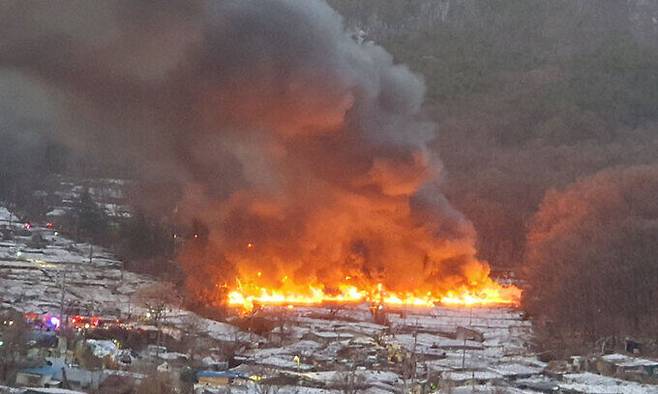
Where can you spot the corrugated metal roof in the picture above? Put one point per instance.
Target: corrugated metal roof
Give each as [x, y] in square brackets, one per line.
[220, 374]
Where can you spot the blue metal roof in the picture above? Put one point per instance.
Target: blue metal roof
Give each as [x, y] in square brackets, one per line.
[220, 374]
[45, 370]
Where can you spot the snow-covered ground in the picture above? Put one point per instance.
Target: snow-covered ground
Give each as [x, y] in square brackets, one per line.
[336, 344]
[6, 217]
[110, 194]
[597, 384]
[319, 348]
[33, 279]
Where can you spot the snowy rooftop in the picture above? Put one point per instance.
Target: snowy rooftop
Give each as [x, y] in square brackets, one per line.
[623, 360]
[324, 338]
[592, 383]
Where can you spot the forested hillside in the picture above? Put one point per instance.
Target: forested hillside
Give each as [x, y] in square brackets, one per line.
[528, 95]
[545, 111]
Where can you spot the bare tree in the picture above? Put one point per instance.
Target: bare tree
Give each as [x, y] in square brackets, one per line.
[266, 388]
[351, 381]
[13, 342]
[157, 298]
[191, 339]
[158, 383]
[591, 259]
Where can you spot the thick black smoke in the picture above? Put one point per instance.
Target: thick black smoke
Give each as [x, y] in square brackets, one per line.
[275, 127]
[529, 95]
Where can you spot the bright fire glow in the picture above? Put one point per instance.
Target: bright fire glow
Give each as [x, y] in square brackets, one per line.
[248, 296]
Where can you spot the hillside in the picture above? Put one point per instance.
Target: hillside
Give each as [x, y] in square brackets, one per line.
[528, 96]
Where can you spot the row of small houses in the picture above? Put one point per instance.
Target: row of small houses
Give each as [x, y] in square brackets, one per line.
[614, 365]
[627, 367]
[56, 373]
[552, 379]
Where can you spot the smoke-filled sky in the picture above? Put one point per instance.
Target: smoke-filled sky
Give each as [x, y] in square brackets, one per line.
[529, 95]
[275, 127]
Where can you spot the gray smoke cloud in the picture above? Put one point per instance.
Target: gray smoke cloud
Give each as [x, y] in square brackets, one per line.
[276, 128]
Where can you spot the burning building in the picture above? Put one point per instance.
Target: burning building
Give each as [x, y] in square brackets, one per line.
[304, 154]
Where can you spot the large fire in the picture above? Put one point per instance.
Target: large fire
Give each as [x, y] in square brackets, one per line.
[314, 177]
[288, 148]
[249, 295]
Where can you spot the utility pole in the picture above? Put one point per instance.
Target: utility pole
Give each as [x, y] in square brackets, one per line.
[470, 323]
[129, 303]
[11, 217]
[413, 357]
[464, 353]
[470, 317]
[473, 381]
[62, 321]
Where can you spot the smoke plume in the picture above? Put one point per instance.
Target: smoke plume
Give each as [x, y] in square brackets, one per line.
[302, 152]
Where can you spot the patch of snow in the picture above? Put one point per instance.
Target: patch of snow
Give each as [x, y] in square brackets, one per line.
[623, 360]
[7, 216]
[598, 384]
[514, 370]
[173, 356]
[465, 376]
[284, 363]
[101, 347]
[57, 212]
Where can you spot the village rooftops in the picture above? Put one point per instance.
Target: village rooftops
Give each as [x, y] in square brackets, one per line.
[515, 370]
[52, 366]
[221, 374]
[623, 360]
[50, 390]
[468, 376]
[47, 370]
[284, 363]
[597, 384]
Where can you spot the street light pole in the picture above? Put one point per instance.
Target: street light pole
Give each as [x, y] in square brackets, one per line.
[62, 321]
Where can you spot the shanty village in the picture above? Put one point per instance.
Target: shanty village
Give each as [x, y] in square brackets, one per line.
[329, 197]
[75, 320]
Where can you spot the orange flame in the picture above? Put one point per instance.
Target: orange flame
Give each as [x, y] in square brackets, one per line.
[491, 293]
